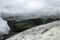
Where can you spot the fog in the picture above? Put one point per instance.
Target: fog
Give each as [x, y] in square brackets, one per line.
[4, 28]
[30, 8]
[26, 9]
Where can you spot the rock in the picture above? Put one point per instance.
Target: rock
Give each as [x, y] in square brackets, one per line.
[50, 31]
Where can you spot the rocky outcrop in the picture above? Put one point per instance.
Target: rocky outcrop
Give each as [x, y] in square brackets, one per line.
[50, 31]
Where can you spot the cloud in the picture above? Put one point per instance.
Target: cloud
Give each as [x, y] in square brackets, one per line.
[33, 7]
[4, 28]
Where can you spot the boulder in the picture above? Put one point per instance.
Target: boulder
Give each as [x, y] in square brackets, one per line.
[49, 31]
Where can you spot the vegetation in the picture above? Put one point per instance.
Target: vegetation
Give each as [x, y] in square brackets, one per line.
[18, 26]
[23, 26]
[50, 20]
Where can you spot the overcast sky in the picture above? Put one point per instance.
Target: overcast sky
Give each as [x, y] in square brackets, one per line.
[50, 7]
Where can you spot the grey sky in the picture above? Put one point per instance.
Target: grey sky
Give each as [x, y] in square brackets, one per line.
[42, 7]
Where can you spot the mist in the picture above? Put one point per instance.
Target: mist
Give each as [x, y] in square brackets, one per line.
[30, 8]
[4, 28]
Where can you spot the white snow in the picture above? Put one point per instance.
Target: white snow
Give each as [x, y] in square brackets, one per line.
[4, 28]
